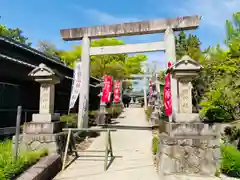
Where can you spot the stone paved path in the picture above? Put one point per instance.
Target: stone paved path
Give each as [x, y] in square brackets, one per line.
[132, 149]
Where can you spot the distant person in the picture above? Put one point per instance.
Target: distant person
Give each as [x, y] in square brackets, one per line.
[129, 100]
[126, 100]
[134, 100]
[142, 102]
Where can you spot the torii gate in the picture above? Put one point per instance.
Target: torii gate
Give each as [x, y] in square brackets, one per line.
[144, 77]
[166, 26]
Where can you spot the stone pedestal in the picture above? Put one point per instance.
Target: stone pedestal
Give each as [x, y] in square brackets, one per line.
[46, 117]
[189, 149]
[44, 131]
[54, 143]
[188, 155]
[43, 128]
[187, 146]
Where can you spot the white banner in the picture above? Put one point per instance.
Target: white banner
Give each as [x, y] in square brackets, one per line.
[76, 85]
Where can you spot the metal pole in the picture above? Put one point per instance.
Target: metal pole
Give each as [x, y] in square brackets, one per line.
[121, 92]
[145, 93]
[18, 121]
[158, 89]
[102, 109]
[144, 89]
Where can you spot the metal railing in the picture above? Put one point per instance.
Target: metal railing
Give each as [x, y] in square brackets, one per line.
[10, 115]
[7, 130]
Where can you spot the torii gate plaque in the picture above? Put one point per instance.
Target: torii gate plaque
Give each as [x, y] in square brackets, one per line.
[167, 26]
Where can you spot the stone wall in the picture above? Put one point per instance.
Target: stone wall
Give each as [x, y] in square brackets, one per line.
[188, 155]
[55, 143]
[46, 168]
[196, 128]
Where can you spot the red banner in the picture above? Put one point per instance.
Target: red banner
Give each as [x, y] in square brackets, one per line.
[117, 93]
[150, 91]
[107, 89]
[167, 93]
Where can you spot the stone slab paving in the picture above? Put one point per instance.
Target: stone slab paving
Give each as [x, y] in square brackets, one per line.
[182, 177]
[132, 149]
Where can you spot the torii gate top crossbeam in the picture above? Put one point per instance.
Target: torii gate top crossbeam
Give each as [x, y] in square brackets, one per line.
[141, 75]
[133, 28]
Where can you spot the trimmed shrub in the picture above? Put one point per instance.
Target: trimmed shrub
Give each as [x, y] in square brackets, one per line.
[71, 120]
[155, 145]
[148, 112]
[230, 164]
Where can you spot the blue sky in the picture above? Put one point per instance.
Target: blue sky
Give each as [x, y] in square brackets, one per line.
[42, 20]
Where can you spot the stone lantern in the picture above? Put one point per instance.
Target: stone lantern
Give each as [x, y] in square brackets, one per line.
[185, 70]
[47, 79]
[45, 129]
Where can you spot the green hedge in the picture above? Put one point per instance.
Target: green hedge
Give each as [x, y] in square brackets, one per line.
[155, 145]
[9, 168]
[230, 160]
[148, 112]
[71, 120]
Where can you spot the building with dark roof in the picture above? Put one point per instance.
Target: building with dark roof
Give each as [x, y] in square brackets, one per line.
[17, 88]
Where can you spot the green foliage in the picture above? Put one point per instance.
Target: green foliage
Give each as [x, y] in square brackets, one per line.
[222, 100]
[148, 112]
[161, 76]
[155, 144]
[190, 45]
[115, 110]
[47, 48]
[9, 168]
[14, 33]
[222, 74]
[233, 32]
[217, 87]
[218, 172]
[231, 133]
[230, 160]
[70, 120]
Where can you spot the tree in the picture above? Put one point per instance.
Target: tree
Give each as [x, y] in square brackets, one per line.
[108, 64]
[70, 57]
[222, 99]
[47, 48]
[133, 64]
[190, 45]
[14, 33]
[233, 30]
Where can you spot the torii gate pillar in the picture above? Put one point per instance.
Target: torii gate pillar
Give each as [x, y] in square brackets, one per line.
[170, 55]
[85, 78]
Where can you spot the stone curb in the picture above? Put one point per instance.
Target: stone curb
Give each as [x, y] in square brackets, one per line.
[45, 169]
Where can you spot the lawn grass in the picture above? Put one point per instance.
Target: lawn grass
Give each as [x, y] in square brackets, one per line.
[9, 169]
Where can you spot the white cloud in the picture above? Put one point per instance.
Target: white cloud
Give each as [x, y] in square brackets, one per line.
[106, 18]
[214, 12]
